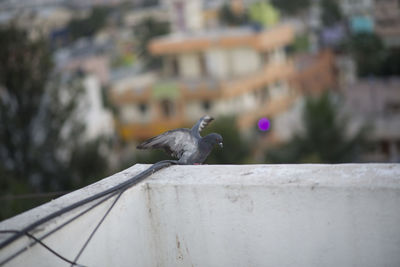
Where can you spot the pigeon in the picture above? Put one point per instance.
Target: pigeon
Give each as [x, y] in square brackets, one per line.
[186, 145]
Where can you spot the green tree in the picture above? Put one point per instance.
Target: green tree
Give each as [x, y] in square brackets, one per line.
[290, 7]
[372, 57]
[40, 148]
[369, 53]
[228, 17]
[86, 27]
[145, 31]
[324, 138]
[300, 44]
[263, 13]
[390, 65]
[235, 151]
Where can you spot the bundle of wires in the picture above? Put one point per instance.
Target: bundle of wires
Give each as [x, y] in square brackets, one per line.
[101, 197]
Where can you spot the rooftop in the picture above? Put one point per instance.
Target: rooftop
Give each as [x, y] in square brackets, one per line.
[231, 215]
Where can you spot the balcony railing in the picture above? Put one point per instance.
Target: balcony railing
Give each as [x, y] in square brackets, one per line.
[269, 39]
[209, 88]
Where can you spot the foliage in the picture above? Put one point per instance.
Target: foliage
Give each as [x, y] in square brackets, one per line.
[290, 7]
[145, 31]
[86, 27]
[300, 44]
[235, 150]
[264, 13]
[368, 52]
[324, 138]
[228, 17]
[390, 65]
[40, 148]
[372, 57]
[331, 13]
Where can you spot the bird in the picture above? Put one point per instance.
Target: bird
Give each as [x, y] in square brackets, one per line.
[186, 145]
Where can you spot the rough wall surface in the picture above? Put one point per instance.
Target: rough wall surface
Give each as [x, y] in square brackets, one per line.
[235, 215]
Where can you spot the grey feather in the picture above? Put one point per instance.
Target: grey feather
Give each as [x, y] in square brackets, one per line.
[201, 124]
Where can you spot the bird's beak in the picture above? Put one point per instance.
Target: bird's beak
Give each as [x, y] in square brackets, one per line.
[221, 145]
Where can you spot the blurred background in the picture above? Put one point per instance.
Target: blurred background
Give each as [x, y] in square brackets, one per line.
[82, 82]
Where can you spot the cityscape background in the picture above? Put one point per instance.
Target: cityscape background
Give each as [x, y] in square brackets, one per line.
[82, 82]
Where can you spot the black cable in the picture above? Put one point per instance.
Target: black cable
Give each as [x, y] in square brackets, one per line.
[97, 227]
[123, 186]
[56, 229]
[73, 263]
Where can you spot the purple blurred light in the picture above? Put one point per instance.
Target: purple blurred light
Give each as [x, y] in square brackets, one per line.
[264, 124]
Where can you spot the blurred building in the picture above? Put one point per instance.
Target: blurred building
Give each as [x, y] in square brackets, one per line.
[235, 71]
[352, 8]
[97, 118]
[376, 103]
[359, 13]
[38, 21]
[387, 21]
[185, 15]
[314, 73]
[135, 16]
[380, 16]
[88, 55]
[346, 71]
[8, 5]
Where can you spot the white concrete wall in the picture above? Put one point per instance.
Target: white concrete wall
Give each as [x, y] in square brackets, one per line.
[217, 62]
[289, 123]
[193, 15]
[278, 55]
[189, 65]
[222, 63]
[98, 119]
[233, 215]
[244, 61]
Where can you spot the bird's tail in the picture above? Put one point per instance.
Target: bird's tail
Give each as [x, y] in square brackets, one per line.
[149, 143]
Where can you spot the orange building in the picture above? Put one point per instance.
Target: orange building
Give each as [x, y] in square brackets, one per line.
[236, 71]
[314, 73]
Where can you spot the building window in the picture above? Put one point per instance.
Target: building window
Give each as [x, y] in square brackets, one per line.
[167, 108]
[384, 144]
[392, 108]
[203, 67]
[143, 107]
[175, 66]
[206, 105]
[266, 57]
[264, 93]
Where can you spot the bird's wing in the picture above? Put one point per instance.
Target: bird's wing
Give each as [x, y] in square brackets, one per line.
[174, 142]
[200, 125]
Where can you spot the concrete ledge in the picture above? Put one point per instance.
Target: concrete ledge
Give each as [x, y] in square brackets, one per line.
[232, 215]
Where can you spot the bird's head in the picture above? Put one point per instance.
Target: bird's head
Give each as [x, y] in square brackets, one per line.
[214, 139]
